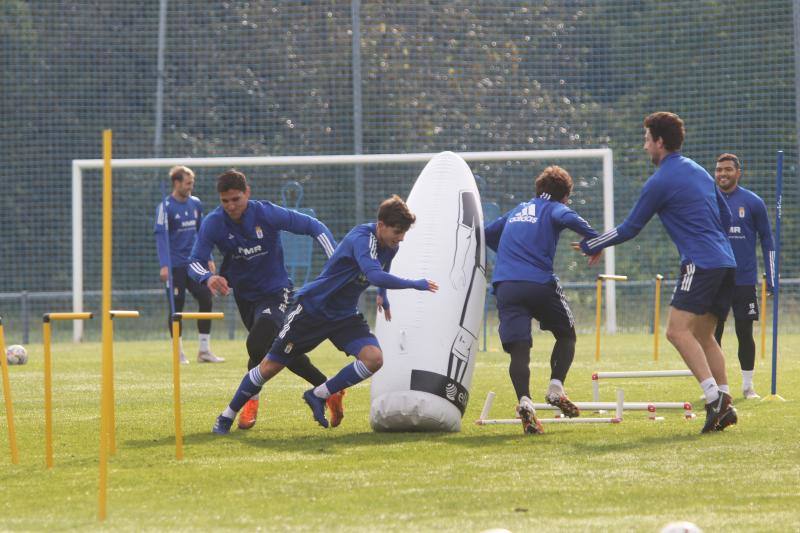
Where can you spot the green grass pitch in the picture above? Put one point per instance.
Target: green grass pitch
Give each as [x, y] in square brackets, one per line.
[289, 474]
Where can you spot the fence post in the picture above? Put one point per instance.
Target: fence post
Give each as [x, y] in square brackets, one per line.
[26, 324]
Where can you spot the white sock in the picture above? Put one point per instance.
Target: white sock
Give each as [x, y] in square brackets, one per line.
[710, 389]
[322, 392]
[725, 388]
[555, 386]
[747, 379]
[180, 344]
[255, 396]
[205, 342]
[229, 413]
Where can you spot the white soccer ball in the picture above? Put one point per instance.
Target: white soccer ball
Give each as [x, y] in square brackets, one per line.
[16, 355]
[681, 527]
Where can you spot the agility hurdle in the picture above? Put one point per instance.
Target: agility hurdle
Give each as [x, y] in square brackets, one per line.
[176, 371]
[599, 299]
[12, 432]
[686, 406]
[108, 382]
[650, 407]
[484, 419]
[47, 334]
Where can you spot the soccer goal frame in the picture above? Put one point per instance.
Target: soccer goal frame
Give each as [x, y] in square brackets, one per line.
[80, 165]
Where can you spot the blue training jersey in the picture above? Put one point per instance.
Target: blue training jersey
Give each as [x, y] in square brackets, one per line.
[749, 219]
[358, 262]
[252, 251]
[179, 221]
[526, 238]
[690, 206]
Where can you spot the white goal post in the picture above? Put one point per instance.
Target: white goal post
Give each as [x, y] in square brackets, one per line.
[79, 165]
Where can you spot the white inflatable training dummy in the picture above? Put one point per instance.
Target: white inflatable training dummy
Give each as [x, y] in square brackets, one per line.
[429, 347]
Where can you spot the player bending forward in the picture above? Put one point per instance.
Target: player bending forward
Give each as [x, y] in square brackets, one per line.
[327, 308]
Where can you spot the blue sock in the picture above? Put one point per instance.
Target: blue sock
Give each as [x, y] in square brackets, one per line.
[249, 387]
[348, 376]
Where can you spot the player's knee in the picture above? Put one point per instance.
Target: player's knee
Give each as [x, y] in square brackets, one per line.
[566, 336]
[372, 357]
[672, 334]
[204, 302]
[260, 338]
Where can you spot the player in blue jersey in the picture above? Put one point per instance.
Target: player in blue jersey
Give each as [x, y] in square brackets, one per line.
[526, 287]
[178, 217]
[749, 221]
[247, 233]
[696, 217]
[326, 308]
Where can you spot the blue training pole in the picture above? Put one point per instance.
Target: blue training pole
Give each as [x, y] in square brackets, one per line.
[776, 294]
[170, 292]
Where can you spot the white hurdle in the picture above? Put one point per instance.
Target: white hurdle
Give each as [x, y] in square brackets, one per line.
[649, 406]
[484, 419]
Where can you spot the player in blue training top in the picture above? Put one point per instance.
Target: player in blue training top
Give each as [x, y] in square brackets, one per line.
[327, 308]
[696, 216]
[178, 217]
[749, 221]
[525, 287]
[247, 233]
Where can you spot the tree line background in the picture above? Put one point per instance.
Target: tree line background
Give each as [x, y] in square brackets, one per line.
[276, 78]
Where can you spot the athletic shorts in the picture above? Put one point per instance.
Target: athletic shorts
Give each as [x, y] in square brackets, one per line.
[302, 332]
[701, 290]
[181, 281]
[745, 302]
[272, 306]
[520, 301]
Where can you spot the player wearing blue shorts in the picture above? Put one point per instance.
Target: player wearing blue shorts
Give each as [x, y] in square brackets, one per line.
[749, 222]
[526, 287]
[178, 217]
[326, 308]
[696, 216]
[247, 233]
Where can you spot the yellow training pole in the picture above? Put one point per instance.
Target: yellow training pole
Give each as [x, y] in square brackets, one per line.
[47, 338]
[763, 318]
[656, 315]
[598, 298]
[176, 385]
[48, 394]
[112, 440]
[107, 325]
[176, 371]
[12, 432]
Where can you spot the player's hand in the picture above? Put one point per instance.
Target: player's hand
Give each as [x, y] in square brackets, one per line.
[218, 285]
[212, 267]
[595, 259]
[432, 286]
[164, 274]
[387, 312]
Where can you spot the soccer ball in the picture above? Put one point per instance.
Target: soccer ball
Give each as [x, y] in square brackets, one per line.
[681, 527]
[16, 355]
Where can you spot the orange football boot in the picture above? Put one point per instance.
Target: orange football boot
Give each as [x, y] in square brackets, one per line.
[336, 408]
[247, 418]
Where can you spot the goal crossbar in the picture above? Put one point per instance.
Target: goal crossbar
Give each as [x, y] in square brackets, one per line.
[79, 165]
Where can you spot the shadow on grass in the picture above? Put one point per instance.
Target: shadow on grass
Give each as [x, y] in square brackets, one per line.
[624, 444]
[327, 441]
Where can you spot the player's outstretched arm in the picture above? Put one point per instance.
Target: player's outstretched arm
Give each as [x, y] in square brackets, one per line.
[650, 200]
